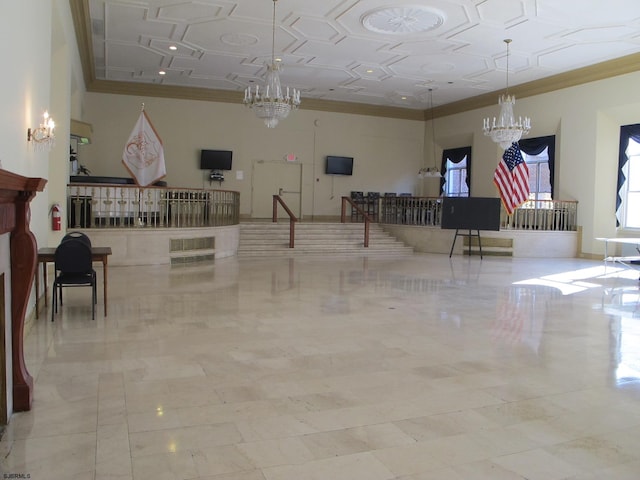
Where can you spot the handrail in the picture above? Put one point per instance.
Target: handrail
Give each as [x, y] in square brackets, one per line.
[292, 218]
[114, 205]
[367, 218]
[552, 215]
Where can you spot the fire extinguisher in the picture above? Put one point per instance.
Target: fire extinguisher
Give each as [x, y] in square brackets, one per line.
[56, 218]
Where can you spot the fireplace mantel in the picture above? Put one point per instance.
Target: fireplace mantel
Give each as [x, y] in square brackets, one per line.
[16, 193]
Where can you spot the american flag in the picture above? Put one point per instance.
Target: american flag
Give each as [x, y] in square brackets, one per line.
[512, 179]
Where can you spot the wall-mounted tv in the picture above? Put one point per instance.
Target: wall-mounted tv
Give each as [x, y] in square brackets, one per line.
[339, 165]
[215, 159]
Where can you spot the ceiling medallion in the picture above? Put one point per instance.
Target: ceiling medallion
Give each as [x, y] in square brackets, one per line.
[402, 20]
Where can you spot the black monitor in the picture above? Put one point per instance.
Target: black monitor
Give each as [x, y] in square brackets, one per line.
[215, 159]
[339, 165]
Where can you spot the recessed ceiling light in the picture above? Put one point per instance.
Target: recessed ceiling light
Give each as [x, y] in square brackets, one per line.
[369, 70]
[162, 72]
[403, 97]
[172, 47]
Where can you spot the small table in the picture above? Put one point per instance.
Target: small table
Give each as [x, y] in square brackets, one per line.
[48, 254]
[627, 261]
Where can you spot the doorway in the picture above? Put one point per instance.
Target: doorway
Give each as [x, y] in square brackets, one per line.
[275, 178]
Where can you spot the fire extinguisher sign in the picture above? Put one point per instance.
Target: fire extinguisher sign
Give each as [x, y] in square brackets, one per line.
[56, 217]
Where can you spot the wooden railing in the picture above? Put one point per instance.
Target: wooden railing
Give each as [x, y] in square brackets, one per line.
[554, 215]
[102, 205]
[361, 213]
[292, 218]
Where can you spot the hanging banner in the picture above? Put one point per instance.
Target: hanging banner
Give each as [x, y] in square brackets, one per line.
[143, 154]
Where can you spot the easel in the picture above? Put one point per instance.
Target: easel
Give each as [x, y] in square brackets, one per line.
[467, 235]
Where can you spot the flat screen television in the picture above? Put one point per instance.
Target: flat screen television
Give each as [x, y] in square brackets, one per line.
[215, 159]
[339, 165]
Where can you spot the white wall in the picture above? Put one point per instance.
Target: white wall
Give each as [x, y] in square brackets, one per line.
[37, 41]
[25, 36]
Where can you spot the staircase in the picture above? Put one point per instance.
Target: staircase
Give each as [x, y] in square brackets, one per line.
[261, 239]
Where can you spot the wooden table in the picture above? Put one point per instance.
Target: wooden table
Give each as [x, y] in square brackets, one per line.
[47, 254]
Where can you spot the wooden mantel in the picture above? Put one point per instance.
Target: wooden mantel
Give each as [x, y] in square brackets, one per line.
[16, 193]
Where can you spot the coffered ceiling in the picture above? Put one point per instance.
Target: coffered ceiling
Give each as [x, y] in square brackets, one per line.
[380, 53]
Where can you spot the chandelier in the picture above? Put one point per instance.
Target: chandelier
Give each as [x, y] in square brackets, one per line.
[426, 172]
[505, 130]
[272, 103]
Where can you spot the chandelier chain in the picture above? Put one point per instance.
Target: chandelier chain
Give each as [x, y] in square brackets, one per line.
[507, 41]
[273, 35]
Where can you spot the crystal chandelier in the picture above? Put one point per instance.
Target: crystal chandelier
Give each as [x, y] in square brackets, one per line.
[433, 172]
[505, 130]
[272, 103]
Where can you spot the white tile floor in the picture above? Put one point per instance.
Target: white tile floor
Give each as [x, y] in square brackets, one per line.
[415, 368]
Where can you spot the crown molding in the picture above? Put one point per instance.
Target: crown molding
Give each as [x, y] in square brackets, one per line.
[592, 73]
[229, 96]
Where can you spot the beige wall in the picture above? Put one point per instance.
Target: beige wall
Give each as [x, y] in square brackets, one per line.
[586, 121]
[388, 153]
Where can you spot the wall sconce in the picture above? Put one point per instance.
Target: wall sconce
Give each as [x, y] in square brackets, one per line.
[42, 137]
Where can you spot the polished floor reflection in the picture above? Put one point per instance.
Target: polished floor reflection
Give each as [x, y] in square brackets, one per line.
[413, 368]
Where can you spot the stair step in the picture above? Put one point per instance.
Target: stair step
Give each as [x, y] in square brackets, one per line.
[272, 239]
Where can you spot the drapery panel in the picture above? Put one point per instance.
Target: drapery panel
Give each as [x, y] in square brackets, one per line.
[627, 132]
[535, 146]
[455, 155]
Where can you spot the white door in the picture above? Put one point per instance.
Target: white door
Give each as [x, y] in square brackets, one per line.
[275, 178]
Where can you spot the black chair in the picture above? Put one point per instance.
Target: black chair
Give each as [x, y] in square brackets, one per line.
[77, 236]
[358, 199]
[373, 201]
[73, 266]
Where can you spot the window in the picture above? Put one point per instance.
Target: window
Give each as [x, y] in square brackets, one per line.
[455, 184]
[456, 172]
[539, 153]
[629, 191]
[539, 179]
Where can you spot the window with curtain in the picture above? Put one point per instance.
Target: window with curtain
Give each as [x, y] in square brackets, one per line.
[539, 155]
[539, 178]
[628, 194]
[456, 172]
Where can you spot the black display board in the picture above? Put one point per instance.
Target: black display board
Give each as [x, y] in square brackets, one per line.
[471, 213]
